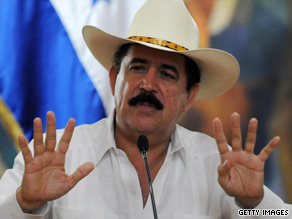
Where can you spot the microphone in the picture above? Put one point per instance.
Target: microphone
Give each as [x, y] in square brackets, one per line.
[143, 145]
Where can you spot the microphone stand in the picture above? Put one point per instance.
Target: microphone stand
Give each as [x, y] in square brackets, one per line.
[144, 154]
[143, 145]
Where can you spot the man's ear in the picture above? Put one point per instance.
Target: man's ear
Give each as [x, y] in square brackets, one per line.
[192, 94]
[113, 77]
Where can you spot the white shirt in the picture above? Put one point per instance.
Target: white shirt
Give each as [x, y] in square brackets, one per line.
[185, 187]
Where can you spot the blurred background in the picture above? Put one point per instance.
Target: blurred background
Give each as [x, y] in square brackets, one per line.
[45, 65]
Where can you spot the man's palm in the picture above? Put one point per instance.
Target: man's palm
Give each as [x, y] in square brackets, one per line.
[241, 173]
[44, 176]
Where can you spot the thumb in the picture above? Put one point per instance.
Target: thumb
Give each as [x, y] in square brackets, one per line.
[223, 172]
[80, 173]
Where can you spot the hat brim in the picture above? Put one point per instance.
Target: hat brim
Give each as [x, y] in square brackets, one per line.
[219, 69]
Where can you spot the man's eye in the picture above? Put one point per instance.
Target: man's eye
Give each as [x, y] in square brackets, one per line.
[167, 75]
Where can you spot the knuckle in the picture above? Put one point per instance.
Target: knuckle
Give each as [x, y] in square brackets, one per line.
[65, 141]
[220, 141]
[51, 138]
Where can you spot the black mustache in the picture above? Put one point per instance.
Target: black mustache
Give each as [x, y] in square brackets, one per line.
[146, 97]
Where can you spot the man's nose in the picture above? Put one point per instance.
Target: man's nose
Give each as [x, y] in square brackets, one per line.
[149, 81]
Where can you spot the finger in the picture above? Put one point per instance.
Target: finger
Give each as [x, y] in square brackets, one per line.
[38, 136]
[27, 156]
[223, 172]
[66, 137]
[80, 173]
[251, 135]
[219, 136]
[51, 132]
[236, 140]
[266, 151]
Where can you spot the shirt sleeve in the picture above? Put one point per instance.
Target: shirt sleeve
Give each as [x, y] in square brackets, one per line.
[270, 201]
[10, 208]
[9, 183]
[271, 205]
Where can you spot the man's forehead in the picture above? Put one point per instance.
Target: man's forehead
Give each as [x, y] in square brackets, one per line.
[141, 52]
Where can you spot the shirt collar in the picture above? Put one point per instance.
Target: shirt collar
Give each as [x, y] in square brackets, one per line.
[176, 144]
[107, 138]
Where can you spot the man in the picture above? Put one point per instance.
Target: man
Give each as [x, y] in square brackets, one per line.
[157, 74]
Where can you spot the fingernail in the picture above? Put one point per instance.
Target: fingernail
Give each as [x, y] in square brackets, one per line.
[224, 163]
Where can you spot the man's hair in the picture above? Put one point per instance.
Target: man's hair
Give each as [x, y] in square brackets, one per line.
[192, 69]
[120, 54]
[193, 73]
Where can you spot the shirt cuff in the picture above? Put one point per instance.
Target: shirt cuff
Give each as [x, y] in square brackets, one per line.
[270, 201]
[11, 209]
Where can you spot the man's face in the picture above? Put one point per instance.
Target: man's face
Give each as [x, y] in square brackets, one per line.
[150, 90]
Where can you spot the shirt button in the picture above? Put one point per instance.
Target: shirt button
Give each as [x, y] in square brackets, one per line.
[133, 192]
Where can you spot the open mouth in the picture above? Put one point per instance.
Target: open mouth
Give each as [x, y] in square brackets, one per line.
[145, 104]
[146, 107]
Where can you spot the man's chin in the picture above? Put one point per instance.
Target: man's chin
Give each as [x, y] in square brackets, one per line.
[145, 125]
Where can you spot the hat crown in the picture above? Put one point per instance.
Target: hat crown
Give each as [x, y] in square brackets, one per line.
[167, 20]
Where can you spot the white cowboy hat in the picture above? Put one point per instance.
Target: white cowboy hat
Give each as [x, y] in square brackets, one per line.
[167, 25]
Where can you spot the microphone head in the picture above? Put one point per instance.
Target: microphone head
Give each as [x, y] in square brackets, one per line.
[142, 143]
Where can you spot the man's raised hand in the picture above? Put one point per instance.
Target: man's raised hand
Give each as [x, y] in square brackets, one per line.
[44, 176]
[241, 172]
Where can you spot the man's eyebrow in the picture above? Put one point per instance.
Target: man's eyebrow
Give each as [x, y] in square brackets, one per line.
[164, 66]
[138, 60]
[172, 68]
